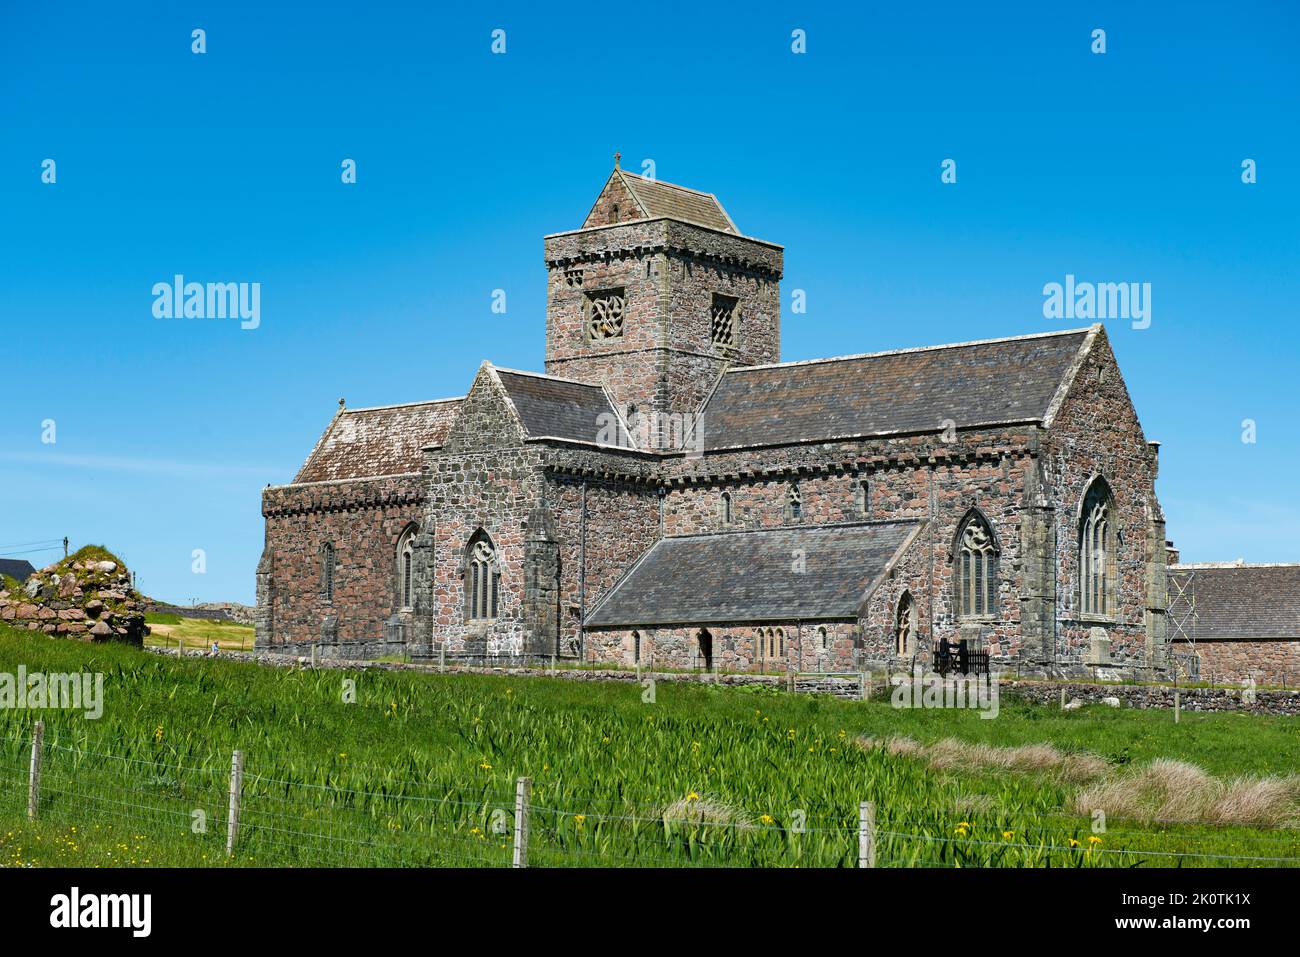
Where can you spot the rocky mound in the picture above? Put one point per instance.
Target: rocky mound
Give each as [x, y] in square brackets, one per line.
[88, 596]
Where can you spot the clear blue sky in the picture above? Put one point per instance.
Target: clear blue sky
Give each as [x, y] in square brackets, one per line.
[226, 166]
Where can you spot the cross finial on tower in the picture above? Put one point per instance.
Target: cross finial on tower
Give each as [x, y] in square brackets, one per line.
[617, 157]
[342, 402]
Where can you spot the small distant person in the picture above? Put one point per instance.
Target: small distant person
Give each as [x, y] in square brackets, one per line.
[215, 647]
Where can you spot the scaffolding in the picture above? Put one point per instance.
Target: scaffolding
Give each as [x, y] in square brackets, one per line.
[1182, 618]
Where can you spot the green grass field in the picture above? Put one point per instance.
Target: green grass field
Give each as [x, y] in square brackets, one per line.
[171, 631]
[420, 769]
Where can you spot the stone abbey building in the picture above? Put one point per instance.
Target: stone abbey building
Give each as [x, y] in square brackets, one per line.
[669, 491]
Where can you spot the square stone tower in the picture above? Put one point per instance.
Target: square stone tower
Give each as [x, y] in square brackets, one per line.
[657, 293]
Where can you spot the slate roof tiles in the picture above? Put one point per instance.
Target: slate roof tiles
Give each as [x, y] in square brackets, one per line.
[385, 440]
[754, 576]
[992, 382]
[658, 199]
[1239, 601]
[557, 408]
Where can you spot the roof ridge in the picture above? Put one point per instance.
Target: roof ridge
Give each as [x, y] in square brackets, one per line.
[401, 405]
[547, 375]
[791, 528]
[899, 352]
[664, 182]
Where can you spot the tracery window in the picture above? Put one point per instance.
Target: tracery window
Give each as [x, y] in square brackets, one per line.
[723, 316]
[975, 574]
[606, 310]
[1096, 551]
[406, 568]
[794, 503]
[482, 579]
[905, 627]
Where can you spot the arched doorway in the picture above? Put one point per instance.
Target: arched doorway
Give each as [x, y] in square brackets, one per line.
[704, 641]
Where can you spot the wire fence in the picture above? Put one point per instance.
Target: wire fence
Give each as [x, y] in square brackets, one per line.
[138, 810]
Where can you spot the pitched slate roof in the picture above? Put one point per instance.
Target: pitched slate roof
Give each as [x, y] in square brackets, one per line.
[913, 390]
[1240, 601]
[659, 199]
[385, 440]
[557, 408]
[751, 576]
[18, 568]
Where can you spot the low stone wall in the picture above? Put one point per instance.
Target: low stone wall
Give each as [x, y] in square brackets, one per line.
[1157, 696]
[233, 610]
[185, 611]
[840, 686]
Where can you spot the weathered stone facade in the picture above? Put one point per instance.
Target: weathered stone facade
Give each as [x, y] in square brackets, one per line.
[516, 520]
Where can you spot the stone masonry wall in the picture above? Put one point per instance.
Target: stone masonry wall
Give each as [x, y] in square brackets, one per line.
[485, 478]
[1268, 662]
[746, 647]
[909, 477]
[665, 359]
[622, 524]
[1096, 433]
[363, 520]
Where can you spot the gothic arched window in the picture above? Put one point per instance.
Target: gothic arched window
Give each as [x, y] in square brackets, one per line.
[482, 579]
[863, 497]
[406, 568]
[794, 503]
[905, 626]
[975, 571]
[1097, 536]
[327, 571]
[724, 508]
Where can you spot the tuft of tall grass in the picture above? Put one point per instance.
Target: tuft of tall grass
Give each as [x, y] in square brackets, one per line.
[1169, 790]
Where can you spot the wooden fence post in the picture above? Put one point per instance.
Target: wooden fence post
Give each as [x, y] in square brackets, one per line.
[1062, 697]
[522, 788]
[34, 777]
[864, 691]
[236, 787]
[1177, 706]
[867, 834]
[442, 657]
